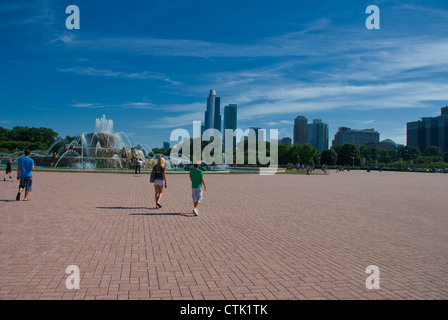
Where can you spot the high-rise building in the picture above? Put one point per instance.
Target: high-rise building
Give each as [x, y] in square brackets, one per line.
[317, 135]
[230, 120]
[429, 131]
[213, 113]
[359, 138]
[166, 145]
[339, 136]
[300, 128]
[256, 134]
[286, 140]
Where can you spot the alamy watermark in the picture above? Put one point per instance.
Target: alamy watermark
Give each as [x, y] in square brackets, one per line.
[73, 280]
[257, 152]
[373, 280]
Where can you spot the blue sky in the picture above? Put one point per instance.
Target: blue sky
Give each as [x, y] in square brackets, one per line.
[149, 65]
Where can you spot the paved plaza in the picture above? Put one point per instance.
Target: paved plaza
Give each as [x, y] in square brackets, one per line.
[276, 237]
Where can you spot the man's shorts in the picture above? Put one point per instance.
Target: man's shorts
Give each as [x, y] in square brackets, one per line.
[197, 194]
[25, 183]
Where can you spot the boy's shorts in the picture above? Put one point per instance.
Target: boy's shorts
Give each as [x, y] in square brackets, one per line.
[25, 183]
[197, 194]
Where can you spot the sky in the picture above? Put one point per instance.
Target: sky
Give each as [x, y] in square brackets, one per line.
[149, 65]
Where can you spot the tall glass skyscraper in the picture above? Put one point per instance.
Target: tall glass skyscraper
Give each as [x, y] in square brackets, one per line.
[230, 119]
[213, 113]
[317, 135]
[300, 128]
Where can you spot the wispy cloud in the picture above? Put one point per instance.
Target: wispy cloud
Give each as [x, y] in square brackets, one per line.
[94, 72]
[126, 105]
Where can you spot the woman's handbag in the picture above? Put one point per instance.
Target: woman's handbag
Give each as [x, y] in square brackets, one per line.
[151, 178]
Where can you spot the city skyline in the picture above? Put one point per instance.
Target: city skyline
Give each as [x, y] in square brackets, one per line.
[149, 66]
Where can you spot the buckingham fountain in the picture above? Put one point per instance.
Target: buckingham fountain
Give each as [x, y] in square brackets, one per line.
[101, 149]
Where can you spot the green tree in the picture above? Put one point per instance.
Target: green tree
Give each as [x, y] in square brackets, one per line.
[329, 157]
[409, 153]
[349, 154]
[384, 156]
[284, 153]
[371, 153]
[433, 151]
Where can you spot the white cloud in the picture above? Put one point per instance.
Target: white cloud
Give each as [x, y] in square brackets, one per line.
[94, 72]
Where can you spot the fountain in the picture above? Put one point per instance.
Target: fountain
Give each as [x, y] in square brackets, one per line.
[101, 149]
[106, 149]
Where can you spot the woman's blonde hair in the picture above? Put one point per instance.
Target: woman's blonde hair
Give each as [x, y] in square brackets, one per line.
[161, 162]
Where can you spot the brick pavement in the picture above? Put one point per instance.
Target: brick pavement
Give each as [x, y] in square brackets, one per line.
[256, 237]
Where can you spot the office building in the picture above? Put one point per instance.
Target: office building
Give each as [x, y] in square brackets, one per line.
[359, 138]
[317, 135]
[256, 134]
[213, 113]
[429, 131]
[230, 120]
[286, 140]
[166, 145]
[300, 128]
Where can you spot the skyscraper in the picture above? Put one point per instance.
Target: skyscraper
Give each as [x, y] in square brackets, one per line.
[317, 135]
[300, 128]
[429, 131]
[357, 137]
[213, 113]
[230, 120]
[286, 140]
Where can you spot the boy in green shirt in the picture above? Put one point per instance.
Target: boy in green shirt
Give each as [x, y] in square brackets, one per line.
[197, 181]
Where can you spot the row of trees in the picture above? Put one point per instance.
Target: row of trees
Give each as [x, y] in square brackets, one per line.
[20, 138]
[348, 154]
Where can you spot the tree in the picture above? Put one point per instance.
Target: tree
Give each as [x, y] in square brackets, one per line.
[409, 153]
[384, 156]
[284, 153]
[329, 157]
[433, 151]
[308, 154]
[371, 153]
[349, 154]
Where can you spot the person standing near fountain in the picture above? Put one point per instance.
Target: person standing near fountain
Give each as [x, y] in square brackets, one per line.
[159, 180]
[24, 167]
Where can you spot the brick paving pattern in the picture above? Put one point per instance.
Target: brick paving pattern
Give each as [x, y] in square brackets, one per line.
[256, 237]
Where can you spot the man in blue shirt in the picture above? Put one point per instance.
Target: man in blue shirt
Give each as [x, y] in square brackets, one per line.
[25, 166]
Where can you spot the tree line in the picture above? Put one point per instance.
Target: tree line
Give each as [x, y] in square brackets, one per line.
[20, 138]
[347, 154]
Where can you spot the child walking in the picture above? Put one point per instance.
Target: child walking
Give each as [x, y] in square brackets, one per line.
[197, 182]
[8, 170]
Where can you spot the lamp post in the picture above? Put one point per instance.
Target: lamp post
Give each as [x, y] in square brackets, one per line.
[353, 161]
[298, 162]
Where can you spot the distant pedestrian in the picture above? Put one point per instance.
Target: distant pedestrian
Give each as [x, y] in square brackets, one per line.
[140, 164]
[308, 170]
[136, 165]
[197, 182]
[25, 166]
[8, 170]
[159, 180]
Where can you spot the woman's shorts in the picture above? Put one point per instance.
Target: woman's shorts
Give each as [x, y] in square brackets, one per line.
[158, 182]
[197, 194]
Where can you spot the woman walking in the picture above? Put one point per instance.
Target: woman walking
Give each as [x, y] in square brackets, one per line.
[159, 180]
